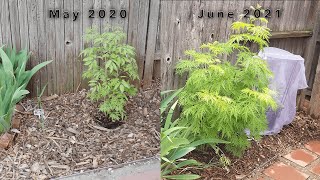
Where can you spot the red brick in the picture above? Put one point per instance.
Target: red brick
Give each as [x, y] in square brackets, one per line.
[316, 169]
[313, 146]
[301, 157]
[5, 140]
[15, 124]
[281, 171]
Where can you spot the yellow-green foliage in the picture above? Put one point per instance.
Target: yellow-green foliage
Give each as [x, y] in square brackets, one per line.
[110, 66]
[221, 100]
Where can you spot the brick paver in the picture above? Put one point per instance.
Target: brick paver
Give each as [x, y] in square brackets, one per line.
[299, 164]
[316, 169]
[313, 146]
[301, 157]
[281, 171]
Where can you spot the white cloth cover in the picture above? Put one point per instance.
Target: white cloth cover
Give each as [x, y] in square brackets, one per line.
[289, 76]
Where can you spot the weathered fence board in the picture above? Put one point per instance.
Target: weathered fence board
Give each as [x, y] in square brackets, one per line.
[26, 25]
[311, 54]
[314, 71]
[181, 28]
[160, 30]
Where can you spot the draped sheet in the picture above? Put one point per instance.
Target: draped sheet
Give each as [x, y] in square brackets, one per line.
[289, 76]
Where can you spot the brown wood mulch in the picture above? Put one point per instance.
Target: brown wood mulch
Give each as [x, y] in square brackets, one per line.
[261, 154]
[72, 141]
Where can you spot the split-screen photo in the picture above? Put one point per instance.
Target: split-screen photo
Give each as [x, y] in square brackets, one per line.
[159, 89]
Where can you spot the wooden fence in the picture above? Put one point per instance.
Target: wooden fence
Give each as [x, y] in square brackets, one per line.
[26, 24]
[181, 29]
[160, 30]
[295, 30]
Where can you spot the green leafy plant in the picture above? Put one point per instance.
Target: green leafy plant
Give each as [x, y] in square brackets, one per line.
[14, 78]
[110, 68]
[221, 100]
[175, 142]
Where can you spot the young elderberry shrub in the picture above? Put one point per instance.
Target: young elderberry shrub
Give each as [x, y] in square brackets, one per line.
[110, 68]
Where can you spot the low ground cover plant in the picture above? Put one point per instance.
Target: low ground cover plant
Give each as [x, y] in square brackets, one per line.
[14, 79]
[110, 67]
[221, 100]
[176, 142]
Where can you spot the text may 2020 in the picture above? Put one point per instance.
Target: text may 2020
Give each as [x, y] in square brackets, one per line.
[92, 13]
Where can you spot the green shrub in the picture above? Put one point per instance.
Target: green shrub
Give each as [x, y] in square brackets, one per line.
[220, 99]
[111, 65]
[13, 81]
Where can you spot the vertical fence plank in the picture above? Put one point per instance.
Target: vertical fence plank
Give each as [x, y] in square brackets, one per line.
[33, 43]
[310, 51]
[106, 21]
[78, 45]
[42, 44]
[14, 19]
[68, 45]
[23, 24]
[151, 42]
[5, 24]
[51, 50]
[166, 32]
[60, 58]
[137, 32]
[315, 94]
[86, 24]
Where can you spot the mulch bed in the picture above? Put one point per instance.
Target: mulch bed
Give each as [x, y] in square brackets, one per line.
[261, 154]
[73, 141]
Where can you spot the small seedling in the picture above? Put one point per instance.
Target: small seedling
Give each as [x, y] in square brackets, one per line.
[39, 111]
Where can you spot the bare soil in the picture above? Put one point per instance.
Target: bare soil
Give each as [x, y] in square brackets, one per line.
[261, 154]
[72, 141]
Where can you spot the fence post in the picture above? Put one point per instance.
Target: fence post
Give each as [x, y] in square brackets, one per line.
[151, 42]
[309, 57]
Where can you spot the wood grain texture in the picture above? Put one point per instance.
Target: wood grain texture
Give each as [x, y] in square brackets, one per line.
[77, 46]
[310, 57]
[51, 53]
[290, 30]
[151, 42]
[161, 30]
[25, 24]
[313, 54]
[42, 44]
[32, 8]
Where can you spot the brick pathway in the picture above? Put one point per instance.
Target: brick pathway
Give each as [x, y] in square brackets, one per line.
[299, 164]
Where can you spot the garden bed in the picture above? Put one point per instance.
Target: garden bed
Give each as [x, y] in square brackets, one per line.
[261, 154]
[73, 141]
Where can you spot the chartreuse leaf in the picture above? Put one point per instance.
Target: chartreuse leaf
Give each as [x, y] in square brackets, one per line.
[221, 100]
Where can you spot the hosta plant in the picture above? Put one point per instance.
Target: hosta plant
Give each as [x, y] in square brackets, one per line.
[222, 100]
[14, 79]
[110, 67]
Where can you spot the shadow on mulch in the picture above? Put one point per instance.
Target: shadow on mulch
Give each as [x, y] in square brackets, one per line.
[261, 154]
[106, 122]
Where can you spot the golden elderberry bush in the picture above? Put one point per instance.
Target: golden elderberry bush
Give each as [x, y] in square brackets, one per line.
[221, 100]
